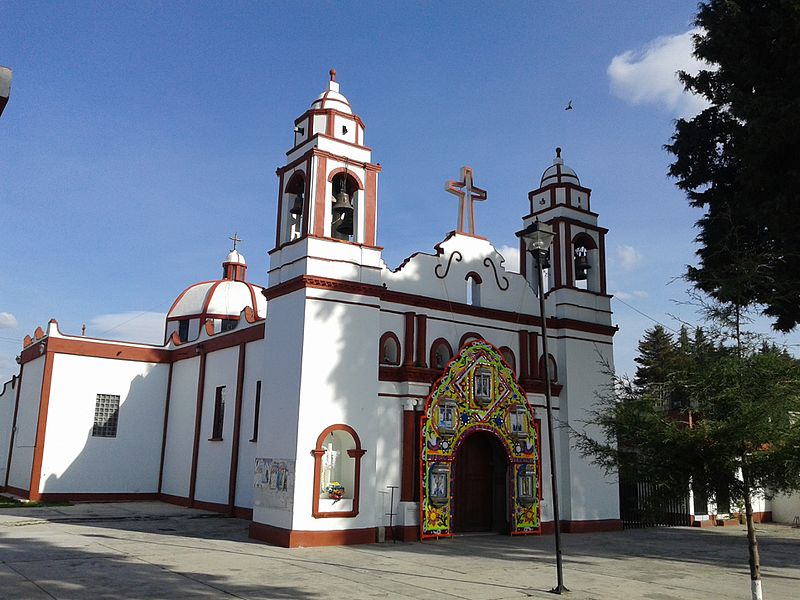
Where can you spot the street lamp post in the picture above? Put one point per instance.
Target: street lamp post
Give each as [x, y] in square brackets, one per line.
[537, 237]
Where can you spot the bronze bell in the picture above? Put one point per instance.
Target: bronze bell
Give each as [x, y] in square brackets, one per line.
[297, 207]
[342, 204]
[582, 265]
[346, 225]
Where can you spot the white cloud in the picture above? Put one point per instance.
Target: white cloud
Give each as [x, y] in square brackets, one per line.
[7, 321]
[133, 326]
[648, 75]
[511, 255]
[628, 257]
[635, 294]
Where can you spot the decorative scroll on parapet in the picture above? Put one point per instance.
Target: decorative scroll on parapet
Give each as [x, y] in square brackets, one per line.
[489, 262]
[458, 257]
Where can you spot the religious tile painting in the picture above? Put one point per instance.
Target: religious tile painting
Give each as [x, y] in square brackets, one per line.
[478, 392]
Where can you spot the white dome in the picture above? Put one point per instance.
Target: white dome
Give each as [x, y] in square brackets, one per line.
[224, 298]
[235, 257]
[559, 172]
[331, 98]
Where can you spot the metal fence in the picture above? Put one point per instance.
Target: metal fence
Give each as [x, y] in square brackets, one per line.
[642, 505]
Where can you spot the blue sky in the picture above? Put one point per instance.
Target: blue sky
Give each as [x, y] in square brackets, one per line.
[140, 136]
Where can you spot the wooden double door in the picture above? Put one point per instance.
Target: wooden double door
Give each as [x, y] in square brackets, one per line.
[481, 485]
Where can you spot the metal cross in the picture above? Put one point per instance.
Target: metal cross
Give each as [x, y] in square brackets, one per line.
[467, 194]
[235, 239]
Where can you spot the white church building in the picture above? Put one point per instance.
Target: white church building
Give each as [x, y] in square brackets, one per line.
[342, 401]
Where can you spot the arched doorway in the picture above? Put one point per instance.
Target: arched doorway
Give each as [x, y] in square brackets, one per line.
[480, 495]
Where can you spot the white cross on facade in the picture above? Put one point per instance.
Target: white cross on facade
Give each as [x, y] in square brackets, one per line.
[467, 194]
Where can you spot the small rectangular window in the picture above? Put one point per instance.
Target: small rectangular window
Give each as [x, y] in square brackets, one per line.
[256, 411]
[183, 330]
[219, 413]
[106, 413]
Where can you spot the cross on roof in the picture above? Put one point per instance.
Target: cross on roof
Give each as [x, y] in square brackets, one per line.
[467, 194]
[235, 239]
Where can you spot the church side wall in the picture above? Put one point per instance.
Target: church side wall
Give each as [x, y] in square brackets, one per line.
[588, 493]
[214, 455]
[785, 508]
[8, 396]
[19, 475]
[253, 372]
[180, 428]
[75, 461]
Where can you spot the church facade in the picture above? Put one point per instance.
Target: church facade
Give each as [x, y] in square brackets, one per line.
[342, 402]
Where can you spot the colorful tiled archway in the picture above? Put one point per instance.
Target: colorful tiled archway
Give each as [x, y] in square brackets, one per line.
[478, 392]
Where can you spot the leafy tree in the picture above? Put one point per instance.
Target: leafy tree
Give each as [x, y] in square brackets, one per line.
[737, 158]
[741, 441]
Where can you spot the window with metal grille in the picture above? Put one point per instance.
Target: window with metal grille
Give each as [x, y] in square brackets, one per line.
[219, 413]
[106, 413]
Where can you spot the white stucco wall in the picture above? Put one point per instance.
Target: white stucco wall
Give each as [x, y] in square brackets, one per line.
[214, 456]
[19, 475]
[180, 428]
[785, 508]
[8, 396]
[73, 459]
[253, 372]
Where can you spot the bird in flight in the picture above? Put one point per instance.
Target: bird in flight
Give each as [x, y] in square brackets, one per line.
[569, 105]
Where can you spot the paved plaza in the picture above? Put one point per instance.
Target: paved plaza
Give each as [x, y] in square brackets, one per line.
[155, 550]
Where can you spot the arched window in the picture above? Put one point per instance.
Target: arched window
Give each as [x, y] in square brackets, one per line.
[337, 472]
[389, 349]
[344, 212]
[441, 353]
[552, 365]
[473, 288]
[584, 256]
[294, 197]
[468, 337]
[508, 356]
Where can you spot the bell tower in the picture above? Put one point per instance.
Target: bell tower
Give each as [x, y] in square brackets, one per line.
[328, 188]
[577, 255]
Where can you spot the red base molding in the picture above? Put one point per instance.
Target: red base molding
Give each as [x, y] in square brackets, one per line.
[289, 538]
[403, 533]
[588, 526]
[16, 491]
[762, 517]
[99, 497]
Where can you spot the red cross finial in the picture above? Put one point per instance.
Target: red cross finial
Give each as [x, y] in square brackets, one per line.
[333, 74]
[467, 195]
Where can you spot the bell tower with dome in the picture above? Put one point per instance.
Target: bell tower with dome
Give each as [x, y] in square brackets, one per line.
[327, 194]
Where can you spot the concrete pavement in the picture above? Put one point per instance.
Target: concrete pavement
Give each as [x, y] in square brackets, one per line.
[155, 550]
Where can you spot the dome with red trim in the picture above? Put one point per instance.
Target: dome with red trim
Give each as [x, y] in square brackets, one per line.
[331, 99]
[559, 172]
[222, 298]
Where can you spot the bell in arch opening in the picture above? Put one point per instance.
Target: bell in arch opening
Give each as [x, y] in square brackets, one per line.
[344, 190]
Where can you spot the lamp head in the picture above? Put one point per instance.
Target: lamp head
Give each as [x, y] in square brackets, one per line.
[537, 236]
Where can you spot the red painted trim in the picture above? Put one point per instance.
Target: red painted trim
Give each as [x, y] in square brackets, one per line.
[281, 226]
[474, 275]
[198, 417]
[355, 453]
[17, 491]
[584, 239]
[422, 339]
[554, 374]
[409, 456]
[513, 364]
[390, 296]
[524, 361]
[176, 500]
[237, 428]
[533, 355]
[333, 173]
[306, 201]
[588, 526]
[320, 197]
[164, 429]
[292, 538]
[100, 497]
[371, 208]
[408, 340]
[13, 426]
[567, 249]
[556, 254]
[41, 427]
[405, 533]
[602, 260]
[523, 259]
[387, 336]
